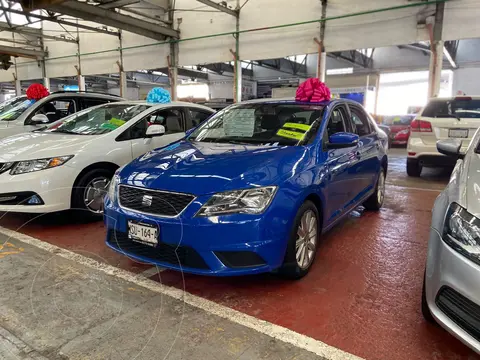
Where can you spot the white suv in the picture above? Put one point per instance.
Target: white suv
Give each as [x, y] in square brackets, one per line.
[445, 118]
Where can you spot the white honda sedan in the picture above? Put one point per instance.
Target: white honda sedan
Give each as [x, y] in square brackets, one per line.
[69, 163]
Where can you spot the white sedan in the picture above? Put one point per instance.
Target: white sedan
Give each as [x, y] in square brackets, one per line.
[69, 163]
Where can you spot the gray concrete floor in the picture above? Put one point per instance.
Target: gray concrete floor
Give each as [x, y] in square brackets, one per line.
[55, 308]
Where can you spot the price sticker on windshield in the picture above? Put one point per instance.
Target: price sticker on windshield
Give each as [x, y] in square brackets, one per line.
[293, 131]
[239, 122]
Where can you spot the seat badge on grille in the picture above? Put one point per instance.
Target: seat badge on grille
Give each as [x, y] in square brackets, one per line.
[147, 200]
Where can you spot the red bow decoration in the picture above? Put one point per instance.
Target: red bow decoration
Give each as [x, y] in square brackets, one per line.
[313, 90]
[37, 92]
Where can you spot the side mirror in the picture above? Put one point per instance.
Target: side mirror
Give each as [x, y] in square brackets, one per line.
[450, 147]
[40, 119]
[155, 130]
[342, 140]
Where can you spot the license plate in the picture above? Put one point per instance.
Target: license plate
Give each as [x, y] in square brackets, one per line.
[458, 133]
[143, 233]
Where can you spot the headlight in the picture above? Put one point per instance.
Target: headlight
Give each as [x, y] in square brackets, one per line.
[251, 201]
[462, 232]
[113, 186]
[23, 167]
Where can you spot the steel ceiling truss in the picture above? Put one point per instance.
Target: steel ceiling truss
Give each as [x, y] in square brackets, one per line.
[355, 57]
[284, 65]
[105, 16]
[221, 68]
[452, 48]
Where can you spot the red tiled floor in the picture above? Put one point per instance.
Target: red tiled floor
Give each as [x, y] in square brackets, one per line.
[362, 294]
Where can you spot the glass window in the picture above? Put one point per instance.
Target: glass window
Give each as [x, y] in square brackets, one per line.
[260, 123]
[336, 123]
[15, 112]
[360, 121]
[96, 121]
[198, 116]
[464, 108]
[90, 102]
[57, 109]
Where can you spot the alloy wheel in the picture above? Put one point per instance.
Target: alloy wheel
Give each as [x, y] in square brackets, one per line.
[94, 194]
[306, 243]
[381, 188]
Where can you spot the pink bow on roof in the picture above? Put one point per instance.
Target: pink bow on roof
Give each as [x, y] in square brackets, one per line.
[313, 90]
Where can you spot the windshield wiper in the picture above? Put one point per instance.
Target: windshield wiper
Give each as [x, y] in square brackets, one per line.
[65, 131]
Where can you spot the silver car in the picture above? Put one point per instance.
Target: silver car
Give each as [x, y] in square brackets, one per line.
[451, 291]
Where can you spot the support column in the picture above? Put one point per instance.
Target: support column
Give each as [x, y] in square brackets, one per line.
[377, 92]
[18, 87]
[322, 55]
[81, 83]
[435, 69]
[46, 83]
[123, 79]
[237, 63]
[435, 28]
[172, 59]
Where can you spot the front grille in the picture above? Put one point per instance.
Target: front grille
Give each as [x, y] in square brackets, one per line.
[153, 202]
[165, 253]
[464, 312]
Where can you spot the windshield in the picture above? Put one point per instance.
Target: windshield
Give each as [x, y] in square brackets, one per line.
[10, 103]
[260, 124]
[12, 113]
[462, 108]
[97, 120]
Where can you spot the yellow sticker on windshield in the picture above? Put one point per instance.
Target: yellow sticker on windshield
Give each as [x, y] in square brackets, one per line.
[290, 134]
[116, 122]
[293, 131]
[303, 127]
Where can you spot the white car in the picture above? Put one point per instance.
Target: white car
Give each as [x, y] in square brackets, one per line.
[456, 118]
[451, 292]
[29, 115]
[69, 163]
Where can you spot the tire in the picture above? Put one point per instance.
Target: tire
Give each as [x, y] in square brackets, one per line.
[414, 169]
[294, 267]
[89, 186]
[375, 201]
[427, 314]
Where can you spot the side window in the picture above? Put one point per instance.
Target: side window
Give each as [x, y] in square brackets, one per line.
[172, 119]
[57, 109]
[336, 123]
[360, 121]
[198, 116]
[89, 102]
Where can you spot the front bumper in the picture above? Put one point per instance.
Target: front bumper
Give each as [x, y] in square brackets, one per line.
[452, 285]
[222, 246]
[52, 186]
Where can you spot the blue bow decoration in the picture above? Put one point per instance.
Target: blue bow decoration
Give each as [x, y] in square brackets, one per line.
[158, 96]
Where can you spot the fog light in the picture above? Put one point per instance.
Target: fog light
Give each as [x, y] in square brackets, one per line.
[34, 200]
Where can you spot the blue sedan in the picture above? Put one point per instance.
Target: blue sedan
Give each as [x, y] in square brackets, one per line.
[250, 190]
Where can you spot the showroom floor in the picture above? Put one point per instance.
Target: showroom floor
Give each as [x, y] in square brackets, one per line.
[361, 296]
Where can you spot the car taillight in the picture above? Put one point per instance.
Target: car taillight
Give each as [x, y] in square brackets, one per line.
[420, 126]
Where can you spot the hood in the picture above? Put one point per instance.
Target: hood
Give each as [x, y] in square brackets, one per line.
[202, 168]
[472, 186]
[38, 145]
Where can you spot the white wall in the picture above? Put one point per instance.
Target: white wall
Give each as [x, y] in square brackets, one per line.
[132, 93]
[221, 87]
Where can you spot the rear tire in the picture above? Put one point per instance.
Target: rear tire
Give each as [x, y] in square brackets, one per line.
[89, 193]
[427, 314]
[375, 201]
[414, 169]
[302, 246]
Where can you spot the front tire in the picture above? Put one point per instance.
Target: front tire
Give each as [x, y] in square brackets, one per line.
[414, 169]
[89, 193]
[302, 246]
[375, 201]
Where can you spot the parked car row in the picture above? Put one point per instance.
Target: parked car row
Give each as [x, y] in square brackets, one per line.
[249, 190]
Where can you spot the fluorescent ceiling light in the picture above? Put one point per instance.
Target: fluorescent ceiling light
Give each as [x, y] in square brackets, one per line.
[340, 71]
